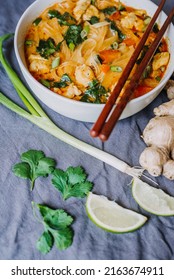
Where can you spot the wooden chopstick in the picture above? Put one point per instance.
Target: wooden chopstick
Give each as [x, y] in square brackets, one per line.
[97, 127]
[125, 98]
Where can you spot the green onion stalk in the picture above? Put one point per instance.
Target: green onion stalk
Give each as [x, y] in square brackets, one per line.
[36, 115]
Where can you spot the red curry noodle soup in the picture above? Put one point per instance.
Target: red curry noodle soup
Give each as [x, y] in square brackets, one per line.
[79, 48]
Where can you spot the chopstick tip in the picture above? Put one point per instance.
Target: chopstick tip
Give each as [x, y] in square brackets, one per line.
[93, 133]
[103, 137]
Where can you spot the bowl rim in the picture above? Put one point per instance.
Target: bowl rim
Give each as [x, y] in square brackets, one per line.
[78, 102]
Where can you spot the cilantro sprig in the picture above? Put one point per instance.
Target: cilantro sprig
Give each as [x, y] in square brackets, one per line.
[47, 47]
[95, 93]
[109, 10]
[34, 164]
[57, 228]
[71, 182]
[115, 28]
[63, 19]
[73, 36]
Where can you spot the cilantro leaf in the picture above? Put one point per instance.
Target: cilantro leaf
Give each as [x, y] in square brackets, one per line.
[56, 219]
[64, 81]
[22, 170]
[45, 242]
[47, 47]
[76, 175]
[109, 10]
[37, 21]
[63, 238]
[142, 54]
[71, 182]
[94, 20]
[73, 35]
[64, 19]
[32, 157]
[95, 93]
[80, 189]
[57, 228]
[114, 27]
[34, 164]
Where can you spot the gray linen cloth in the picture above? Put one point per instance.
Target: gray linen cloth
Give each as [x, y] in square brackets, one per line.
[18, 228]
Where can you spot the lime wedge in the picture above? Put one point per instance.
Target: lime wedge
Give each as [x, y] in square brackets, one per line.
[112, 217]
[152, 199]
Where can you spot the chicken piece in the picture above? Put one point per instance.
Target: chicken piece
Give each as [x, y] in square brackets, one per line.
[80, 8]
[131, 20]
[91, 11]
[102, 4]
[128, 21]
[38, 64]
[160, 59]
[72, 91]
[84, 75]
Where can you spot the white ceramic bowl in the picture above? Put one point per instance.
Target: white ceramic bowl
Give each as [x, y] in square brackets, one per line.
[74, 109]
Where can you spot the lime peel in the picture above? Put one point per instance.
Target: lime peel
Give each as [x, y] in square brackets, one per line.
[151, 199]
[110, 216]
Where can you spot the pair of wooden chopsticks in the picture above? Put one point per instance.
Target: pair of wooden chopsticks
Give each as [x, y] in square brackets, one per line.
[103, 129]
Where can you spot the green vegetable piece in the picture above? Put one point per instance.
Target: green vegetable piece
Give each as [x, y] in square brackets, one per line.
[71, 182]
[22, 170]
[85, 32]
[114, 46]
[71, 46]
[60, 84]
[73, 35]
[54, 14]
[57, 219]
[28, 43]
[58, 46]
[121, 7]
[55, 62]
[143, 52]
[57, 228]
[46, 47]
[45, 242]
[116, 68]
[87, 29]
[155, 28]
[46, 83]
[63, 238]
[147, 20]
[114, 27]
[64, 81]
[37, 21]
[109, 10]
[147, 71]
[93, 20]
[95, 93]
[158, 78]
[65, 19]
[38, 165]
[66, 78]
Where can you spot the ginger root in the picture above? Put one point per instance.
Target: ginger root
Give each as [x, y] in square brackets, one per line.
[158, 156]
[170, 89]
